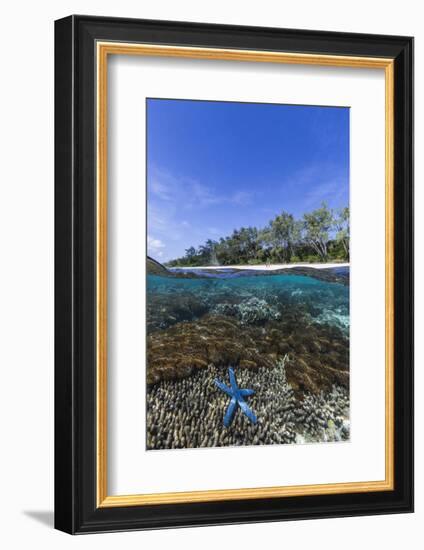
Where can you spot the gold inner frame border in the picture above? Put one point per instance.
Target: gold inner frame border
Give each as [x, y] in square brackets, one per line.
[103, 50]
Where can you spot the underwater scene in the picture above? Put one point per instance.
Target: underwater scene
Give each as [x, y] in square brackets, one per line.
[243, 357]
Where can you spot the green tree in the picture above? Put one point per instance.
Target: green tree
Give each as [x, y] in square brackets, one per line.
[342, 227]
[284, 234]
[317, 226]
[190, 252]
[206, 252]
[318, 236]
[249, 246]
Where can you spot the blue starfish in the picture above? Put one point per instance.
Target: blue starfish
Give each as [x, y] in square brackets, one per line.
[237, 396]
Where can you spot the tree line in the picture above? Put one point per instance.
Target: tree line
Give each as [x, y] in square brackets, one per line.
[319, 236]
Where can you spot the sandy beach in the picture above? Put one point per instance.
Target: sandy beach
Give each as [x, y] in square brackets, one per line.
[264, 267]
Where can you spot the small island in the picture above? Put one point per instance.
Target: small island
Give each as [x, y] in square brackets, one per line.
[319, 237]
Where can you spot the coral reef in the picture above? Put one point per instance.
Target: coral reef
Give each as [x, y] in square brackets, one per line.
[338, 317]
[189, 413]
[317, 354]
[287, 338]
[253, 311]
[163, 311]
[177, 351]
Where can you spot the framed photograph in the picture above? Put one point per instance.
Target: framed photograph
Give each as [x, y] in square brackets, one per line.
[234, 274]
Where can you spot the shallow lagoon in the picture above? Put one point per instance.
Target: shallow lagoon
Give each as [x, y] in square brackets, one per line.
[323, 300]
[286, 335]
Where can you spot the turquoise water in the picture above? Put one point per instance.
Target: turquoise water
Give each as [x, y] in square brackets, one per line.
[172, 300]
[284, 335]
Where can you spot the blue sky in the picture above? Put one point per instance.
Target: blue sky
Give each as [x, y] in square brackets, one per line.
[217, 166]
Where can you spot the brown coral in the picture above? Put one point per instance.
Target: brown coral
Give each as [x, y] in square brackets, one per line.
[318, 355]
[175, 352]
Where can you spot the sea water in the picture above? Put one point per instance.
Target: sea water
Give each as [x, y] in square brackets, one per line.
[204, 292]
[284, 335]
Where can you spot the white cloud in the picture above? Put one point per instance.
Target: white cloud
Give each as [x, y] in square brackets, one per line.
[171, 202]
[160, 189]
[332, 190]
[206, 196]
[189, 192]
[155, 246]
[203, 195]
[241, 198]
[319, 182]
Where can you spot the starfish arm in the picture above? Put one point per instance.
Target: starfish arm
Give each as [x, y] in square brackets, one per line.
[228, 418]
[233, 382]
[250, 415]
[224, 388]
[246, 393]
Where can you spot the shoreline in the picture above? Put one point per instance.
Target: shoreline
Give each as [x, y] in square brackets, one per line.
[263, 267]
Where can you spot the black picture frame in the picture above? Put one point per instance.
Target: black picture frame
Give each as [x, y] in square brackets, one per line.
[76, 510]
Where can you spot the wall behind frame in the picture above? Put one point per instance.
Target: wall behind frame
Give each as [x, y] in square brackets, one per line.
[26, 277]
